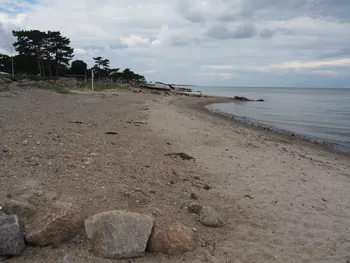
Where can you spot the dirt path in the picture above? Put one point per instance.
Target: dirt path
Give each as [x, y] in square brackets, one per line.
[282, 201]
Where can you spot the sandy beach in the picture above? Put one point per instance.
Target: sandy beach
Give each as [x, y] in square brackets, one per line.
[282, 200]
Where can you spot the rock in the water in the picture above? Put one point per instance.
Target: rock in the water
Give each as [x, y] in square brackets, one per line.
[23, 210]
[118, 234]
[209, 217]
[60, 223]
[172, 239]
[11, 236]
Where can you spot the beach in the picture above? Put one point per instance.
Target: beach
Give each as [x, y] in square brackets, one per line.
[282, 199]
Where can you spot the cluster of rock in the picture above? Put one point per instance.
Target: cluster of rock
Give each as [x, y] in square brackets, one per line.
[112, 234]
[20, 224]
[244, 99]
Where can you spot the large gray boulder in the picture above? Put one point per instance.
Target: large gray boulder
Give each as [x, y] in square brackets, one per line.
[11, 236]
[209, 217]
[118, 234]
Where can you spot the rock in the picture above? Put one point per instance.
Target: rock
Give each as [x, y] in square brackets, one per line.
[11, 235]
[194, 196]
[260, 100]
[241, 98]
[118, 234]
[68, 259]
[209, 217]
[3, 258]
[171, 239]
[207, 187]
[194, 208]
[61, 222]
[23, 210]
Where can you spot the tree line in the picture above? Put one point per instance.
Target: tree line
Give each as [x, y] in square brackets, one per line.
[48, 54]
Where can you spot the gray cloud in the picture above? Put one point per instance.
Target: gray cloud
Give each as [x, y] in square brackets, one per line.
[118, 46]
[240, 32]
[267, 33]
[336, 54]
[6, 39]
[265, 9]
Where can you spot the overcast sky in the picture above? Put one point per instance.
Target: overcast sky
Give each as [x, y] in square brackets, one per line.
[301, 43]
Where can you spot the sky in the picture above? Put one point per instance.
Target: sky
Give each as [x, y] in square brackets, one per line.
[292, 43]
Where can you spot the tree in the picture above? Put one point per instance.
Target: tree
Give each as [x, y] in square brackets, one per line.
[5, 63]
[58, 47]
[30, 43]
[101, 67]
[78, 67]
[50, 49]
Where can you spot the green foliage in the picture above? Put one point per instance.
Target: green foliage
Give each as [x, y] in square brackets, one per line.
[78, 67]
[50, 50]
[48, 53]
[57, 89]
[102, 86]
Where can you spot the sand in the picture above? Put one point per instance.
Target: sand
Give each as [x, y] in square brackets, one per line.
[282, 200]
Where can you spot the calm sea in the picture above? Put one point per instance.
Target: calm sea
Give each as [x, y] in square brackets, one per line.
[321, 114]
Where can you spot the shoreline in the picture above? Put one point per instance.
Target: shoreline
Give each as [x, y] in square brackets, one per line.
[283, 134]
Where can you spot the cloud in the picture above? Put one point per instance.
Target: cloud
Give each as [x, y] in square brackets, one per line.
[278, 42]
[267, 33]
[80, 51]
[241, 31]
[292, 65]
[6, 40]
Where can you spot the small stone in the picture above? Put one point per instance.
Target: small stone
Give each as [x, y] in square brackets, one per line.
[61, 223]
[194, 208]
[25, 142]
[207, 187]
[172, 182]
[209, 217]
[118, 234]
[67, 259]
[23, 210]
[152, 191]
[194, 196]
[171, 239]
[11, 235]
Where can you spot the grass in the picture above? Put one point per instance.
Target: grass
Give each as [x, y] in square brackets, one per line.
[102, 86]
[58, 89]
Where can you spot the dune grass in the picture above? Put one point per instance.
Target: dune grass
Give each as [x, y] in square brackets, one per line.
[102, 86]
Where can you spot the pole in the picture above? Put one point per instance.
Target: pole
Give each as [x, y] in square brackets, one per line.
[92, 80]
[13, 68]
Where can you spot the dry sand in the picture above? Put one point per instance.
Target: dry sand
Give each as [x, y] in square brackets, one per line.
[282, 200]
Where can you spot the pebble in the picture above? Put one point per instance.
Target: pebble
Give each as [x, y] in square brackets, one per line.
[194, 196]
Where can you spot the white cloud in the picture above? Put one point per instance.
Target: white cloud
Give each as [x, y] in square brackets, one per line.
[80, 51]
[292, 65]
[135, 41]
[172, 40]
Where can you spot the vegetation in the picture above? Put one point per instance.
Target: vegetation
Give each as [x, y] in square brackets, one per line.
[102, 86]
[45, 55]
[58, 89]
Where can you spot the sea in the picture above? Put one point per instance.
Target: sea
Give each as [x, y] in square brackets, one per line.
[321, 114]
